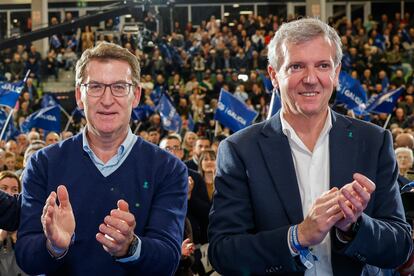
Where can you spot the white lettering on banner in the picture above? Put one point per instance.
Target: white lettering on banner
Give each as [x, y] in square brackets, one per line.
[352, 96]
[236, 117]
[11, 87]
[172, 112]
[231, 113]
[48, 117]
[385, 98]
[166, 122]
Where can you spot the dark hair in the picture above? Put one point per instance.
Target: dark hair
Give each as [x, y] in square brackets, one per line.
[152, 129]
[9, 174]
[203, 155]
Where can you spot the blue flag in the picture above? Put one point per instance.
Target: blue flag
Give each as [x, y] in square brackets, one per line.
[141, 112]
[190, 122]
[47, 118]
[77, 113]
[384, 102]
[171, 120]
[267, 83]
[10, 92]
[170, 53]
[11, 131]
[156, 94]
[233, 113]
[379, 41]
[54, 40]
[48, 100]
[350, 92]
[277, 104]
[346, 62]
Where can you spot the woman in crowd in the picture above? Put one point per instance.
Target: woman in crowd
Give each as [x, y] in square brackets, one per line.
[188, 144]
[405, 162]
[207, 169]
[9, 183]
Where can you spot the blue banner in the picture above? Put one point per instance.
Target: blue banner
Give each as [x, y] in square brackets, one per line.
[48, 100]
[141, 112]
[11, 131]
[10, 92]
[54, 40]
[47, 118]
[350, 92]
[156, 94]
[277, 104]
[77, 113]
[171, 120]
[170, 53]
[384, 102]
[190, 123]
[232, 113]
[267, 83]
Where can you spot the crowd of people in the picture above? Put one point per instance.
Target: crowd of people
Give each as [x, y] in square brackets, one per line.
[193, 64]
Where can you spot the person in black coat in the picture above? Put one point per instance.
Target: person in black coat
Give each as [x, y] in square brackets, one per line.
[9, 212]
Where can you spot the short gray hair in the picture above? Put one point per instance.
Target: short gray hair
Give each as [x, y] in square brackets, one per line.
[106, 51]
[299, 31]
[405, 150]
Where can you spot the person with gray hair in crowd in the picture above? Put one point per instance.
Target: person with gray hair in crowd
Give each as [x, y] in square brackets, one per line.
[308, 191]
[405, 161]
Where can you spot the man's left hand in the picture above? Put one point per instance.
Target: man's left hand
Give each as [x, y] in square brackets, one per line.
[117, 231]
[353, 200]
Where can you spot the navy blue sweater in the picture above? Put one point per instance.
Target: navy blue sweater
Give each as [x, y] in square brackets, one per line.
[152, 181]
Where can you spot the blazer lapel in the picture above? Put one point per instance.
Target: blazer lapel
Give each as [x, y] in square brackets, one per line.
[343, 151]
[275, 149]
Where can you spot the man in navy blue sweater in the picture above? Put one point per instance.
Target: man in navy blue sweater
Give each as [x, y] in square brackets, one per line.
[127, 205]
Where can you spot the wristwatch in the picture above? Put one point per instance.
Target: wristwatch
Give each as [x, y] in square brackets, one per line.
[131, 249]
[351, 233]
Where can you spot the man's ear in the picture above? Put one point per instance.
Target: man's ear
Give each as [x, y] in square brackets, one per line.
[137, 96]
[78, 96]
[337, 71]
[273, 77]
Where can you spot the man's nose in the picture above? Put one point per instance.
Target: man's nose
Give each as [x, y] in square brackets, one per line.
[107, 97]
[310, 76]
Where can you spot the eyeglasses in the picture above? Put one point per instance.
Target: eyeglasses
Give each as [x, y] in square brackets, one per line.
[174, 148]
[96, 89]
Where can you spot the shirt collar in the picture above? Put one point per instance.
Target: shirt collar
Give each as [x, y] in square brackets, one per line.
[289, 131]
[129, 139]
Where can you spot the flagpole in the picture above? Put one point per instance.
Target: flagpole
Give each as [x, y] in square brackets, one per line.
[64, 112]
[6, 123]
[387, 121]
[26, 76]
[70, 119]
[12, 110]
[137, 127]
[216, 128]
[272, 100]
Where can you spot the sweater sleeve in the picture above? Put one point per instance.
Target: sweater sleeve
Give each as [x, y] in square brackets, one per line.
[31, 253]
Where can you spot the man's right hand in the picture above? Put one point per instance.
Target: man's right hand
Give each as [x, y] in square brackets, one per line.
[58, 221]
[323, 215]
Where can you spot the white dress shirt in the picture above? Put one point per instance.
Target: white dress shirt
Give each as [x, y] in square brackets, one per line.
[312, 173]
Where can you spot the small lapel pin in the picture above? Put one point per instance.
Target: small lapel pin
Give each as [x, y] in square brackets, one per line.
[145, 185]
[350, 134]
